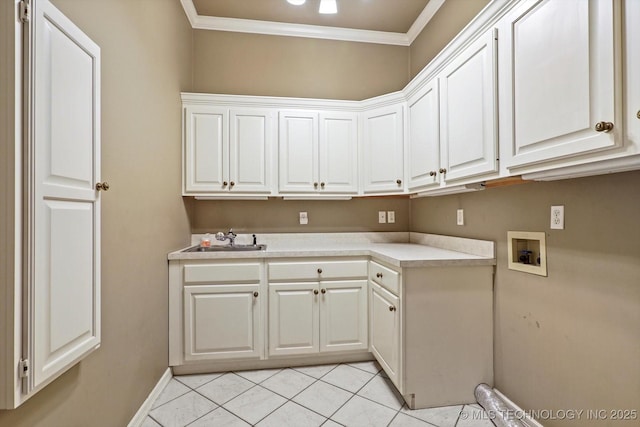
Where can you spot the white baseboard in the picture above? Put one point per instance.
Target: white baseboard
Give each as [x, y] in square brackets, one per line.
[527, 420]
[142, 413]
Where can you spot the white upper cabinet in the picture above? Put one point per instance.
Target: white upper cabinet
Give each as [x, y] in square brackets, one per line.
[318, 152]
[632, 77]
[227, 151]
[298, 151]
[468, 111]
[559, 79]
[338, 155]
[383, 146]
[424, 138]
[250, 135]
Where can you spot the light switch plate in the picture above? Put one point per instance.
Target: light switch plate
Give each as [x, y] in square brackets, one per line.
[460, 217]
[382, 217]
[304, 218]
[391, 217]
[557, 217]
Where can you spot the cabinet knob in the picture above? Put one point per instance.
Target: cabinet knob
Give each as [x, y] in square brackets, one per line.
[315, 185]
[225, 183]
[638, 114]
[102, 186]
[604, 127]
[392, 308]
[315, 292]
[379, 275]
[433, 173]
[399, 181]
[324, 291]
[319, 271]
[322, 184]
[255, 294]
[231, 184]
[442, 170]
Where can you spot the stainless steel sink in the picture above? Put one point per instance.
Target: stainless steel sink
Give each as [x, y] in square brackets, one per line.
[226, 248]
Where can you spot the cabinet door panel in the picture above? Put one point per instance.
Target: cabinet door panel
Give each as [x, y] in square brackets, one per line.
[250, 136]
[384, 329]
[424, 137]
[221, 322]
[560, 78]
[468, 111]
[63, 237]
[298, 136]
[338, 152]
[632, 69]
[343, 316]
[383, 150]
[206, 148]
[293, 319]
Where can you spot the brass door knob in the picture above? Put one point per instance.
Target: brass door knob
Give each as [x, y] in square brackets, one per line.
[399, 181]
[442, 170]
[433, 173]
[315, 292]
[379, 275]
[604, 127]
[319, 271]
[392, 308]
[324, 291]
[255, 294]
[102, 186]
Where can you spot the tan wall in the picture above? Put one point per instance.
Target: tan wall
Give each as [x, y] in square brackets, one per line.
[253, 64]
[452, 17]
[570, 340]
[282, 216]
[145, 64]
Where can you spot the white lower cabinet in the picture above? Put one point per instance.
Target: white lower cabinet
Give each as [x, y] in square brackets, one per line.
[431, 330]
[216, 311]
[222, 322]
[317, 306]
[384, 325]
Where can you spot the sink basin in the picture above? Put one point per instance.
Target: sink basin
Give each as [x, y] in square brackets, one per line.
[227, 248]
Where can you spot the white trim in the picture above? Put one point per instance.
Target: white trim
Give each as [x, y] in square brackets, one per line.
[216, 23]
[527, 421]
[143, 411]
[423, 19]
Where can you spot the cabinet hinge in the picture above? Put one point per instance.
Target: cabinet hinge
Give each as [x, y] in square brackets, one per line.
[24, 11]
[24, 368]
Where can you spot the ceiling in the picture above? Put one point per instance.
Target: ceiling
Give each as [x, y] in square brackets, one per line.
[395, 22]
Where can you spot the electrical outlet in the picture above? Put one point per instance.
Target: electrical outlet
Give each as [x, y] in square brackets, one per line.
[557, 217]
[304, 218]
[391, 217]
[460, 217]
[382, 217]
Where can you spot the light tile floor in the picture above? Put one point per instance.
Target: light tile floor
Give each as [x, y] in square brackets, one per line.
[355, 394]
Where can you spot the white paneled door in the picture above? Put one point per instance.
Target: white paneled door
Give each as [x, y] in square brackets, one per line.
[468, 101]
[560, 78]
[221, 322]
[63, 285]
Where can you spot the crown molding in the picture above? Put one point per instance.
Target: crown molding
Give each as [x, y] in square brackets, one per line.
[201, 22]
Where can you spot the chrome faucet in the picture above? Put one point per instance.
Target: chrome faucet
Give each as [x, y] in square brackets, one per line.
[231, 236]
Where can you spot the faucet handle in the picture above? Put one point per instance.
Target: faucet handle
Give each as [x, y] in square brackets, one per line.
[220, 235]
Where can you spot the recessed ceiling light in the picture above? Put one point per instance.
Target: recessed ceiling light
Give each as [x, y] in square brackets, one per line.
[296, 2]
[328, 6]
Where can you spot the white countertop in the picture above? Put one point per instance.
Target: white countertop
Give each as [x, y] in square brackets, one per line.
[397, 249]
